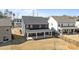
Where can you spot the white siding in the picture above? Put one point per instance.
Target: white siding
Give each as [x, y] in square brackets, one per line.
[67, 24]
[53, 23]
[77, 24]
[23, 28]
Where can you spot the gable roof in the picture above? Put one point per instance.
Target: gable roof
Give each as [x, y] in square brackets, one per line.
[5, 22]
[64, 18]
[34, 20]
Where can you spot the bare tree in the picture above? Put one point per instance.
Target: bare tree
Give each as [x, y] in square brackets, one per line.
[1, 14]
[6, 12]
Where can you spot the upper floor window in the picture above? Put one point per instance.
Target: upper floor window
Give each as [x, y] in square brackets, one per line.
[47, 26]
[36, 26]
[44, 26]
[68, 25]
[61, 25]
[20, 31]
[19, 20]
[28, 26]
[7, 29]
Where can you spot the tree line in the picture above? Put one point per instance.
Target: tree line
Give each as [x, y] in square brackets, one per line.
[6, 13]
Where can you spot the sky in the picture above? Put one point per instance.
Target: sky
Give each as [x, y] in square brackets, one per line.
[44, 12]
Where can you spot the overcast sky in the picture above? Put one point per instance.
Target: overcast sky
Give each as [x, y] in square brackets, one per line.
[45, 12]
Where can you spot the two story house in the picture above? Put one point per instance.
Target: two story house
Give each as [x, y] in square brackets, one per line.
[35, 27]
[63, 24]
[5, 29]
[77, 24]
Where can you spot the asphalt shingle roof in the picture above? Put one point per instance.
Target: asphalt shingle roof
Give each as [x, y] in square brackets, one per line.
[64, 18]
[34, 20]
[5, 22]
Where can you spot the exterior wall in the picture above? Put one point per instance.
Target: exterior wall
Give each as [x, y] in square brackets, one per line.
[17, 24]
[53, 24]
[61, 25]
[36, 36]
[23, 28]
[67, 27]
[5, 31]
[36, 26]
[66, 24]
[77, 24]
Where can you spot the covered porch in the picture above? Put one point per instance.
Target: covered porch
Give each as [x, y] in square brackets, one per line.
[38, 34]
[67, 30]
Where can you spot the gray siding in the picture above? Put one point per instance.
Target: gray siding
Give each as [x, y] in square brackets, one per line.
[5, 31]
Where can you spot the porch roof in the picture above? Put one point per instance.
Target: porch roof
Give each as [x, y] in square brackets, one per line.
[67, 28]
[38, 31]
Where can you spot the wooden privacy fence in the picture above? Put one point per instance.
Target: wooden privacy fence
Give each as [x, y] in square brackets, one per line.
[69, 40]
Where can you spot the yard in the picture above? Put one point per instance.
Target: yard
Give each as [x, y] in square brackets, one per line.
[21, 43]
[73, 37]
[43, 44]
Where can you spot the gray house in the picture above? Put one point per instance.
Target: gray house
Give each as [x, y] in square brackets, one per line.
[35, 27]
[5, 29]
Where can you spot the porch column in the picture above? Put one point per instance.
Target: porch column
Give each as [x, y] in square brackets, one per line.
[61, 32]
[39, 26]
[44, 34]
[73, 31]
[31, 26]
[36, 35]
[51, 34]
[68, 31]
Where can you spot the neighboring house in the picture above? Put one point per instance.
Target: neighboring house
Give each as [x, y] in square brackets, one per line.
[77, 24]
[5, 29]
[17, 22]
[63, 24]
[36, 27]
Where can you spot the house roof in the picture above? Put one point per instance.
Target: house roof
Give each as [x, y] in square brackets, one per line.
[77, 18]
[64, 18]
[34, 20]
[5, 22]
